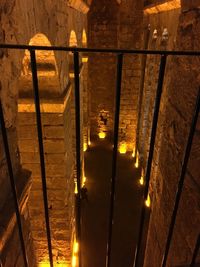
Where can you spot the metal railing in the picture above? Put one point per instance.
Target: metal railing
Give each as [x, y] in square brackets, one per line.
[119, 54]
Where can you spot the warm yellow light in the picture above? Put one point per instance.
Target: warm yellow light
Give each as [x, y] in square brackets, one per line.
[47, 264]
[84, 59]
[133, 154]
[122, 149]
[148, 201]
[74, 261]
[142, 177]
[76, 247]
[141, 180]
[169, 5]
[137, 161]
[89, 143]
[85, 147]
[83, 181]
[102, 135]
[76, 188]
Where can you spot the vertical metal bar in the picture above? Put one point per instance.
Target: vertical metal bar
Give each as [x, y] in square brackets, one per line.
[78, 148]
[196, 250]
[114, 159]
[12, 183]
[150, 158]
[41, 150]
[182, 179]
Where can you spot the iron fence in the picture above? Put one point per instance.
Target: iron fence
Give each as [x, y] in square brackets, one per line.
[119, 54]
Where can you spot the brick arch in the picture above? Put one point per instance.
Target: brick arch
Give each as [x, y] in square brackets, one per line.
[45, 58]
[46, 68]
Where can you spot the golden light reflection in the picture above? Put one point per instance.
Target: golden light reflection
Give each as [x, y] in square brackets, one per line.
[142, 178]
[84, 180]
[75, 253]
[148, 201]
[122, 148]
[163, 7]
[137, 160]
[74, 261]
[85, 147]
[47, 264]
[102, 135]
[75, 188]
[133, 154]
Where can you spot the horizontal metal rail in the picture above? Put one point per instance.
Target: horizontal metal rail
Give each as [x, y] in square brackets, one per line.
[102, 50]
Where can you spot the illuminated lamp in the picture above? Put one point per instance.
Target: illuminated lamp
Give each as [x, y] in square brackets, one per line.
[102, 135]
[142, 178]
[85, 147]
[122, 149]
[133, 154]
[137, 160]
[76, 189]
[83, 181]
[74, 261]
[148, 201]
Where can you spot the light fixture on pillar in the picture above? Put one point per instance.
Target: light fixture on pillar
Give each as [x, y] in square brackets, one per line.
[85, 146]
[75, 188]
[148, 202]
[137, 160]
[102, 135]
[142, 177]
[75, 253]
[133, 154]
[122, 148]
[84, 180]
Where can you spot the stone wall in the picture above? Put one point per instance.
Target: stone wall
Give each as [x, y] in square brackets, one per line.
[102, 29]
[58, 139]
[111, 26]
[180, 91]
[129, 37]
[156, 23]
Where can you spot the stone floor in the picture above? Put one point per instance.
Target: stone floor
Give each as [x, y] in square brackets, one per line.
[95, 212]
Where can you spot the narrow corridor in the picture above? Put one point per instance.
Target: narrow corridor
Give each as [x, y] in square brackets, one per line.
[95, 212]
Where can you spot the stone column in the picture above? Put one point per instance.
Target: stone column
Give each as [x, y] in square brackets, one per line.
[130, 37]
[102, 29]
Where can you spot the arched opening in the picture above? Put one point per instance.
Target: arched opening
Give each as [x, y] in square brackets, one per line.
[46, 69]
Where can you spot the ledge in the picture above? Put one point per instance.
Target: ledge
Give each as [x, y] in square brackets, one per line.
[161, 6]
[8, 218]
[79, 5]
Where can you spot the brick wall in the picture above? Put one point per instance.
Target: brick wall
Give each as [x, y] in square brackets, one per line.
[102, 29]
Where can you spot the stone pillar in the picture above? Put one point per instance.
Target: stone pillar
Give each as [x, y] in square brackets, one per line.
[130, 37]
[102, 29]
[180, 92]
[58, 137]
